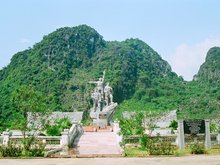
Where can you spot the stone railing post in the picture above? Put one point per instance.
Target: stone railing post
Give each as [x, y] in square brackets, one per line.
[65, 142]
[6, 138]
[116, 130]
[218, 138]
[64, 138]
[180, 135]
[207, 134]
[119, 136]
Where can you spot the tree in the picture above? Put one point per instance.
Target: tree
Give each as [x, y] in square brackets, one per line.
[28, 102]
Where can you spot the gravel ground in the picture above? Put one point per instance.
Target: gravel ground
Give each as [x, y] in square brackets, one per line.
[184, 160]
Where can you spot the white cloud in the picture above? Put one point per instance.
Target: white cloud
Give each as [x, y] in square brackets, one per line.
[187, 59]
[24, 40]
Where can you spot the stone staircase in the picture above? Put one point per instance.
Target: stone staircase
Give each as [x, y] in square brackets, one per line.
[98, 144]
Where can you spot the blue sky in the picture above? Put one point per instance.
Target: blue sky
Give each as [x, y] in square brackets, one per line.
[180, 31]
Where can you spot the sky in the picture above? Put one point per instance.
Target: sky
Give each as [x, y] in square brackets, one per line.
[180, 31]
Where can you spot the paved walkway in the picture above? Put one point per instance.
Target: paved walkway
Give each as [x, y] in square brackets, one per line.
[98, 144]
[185, 160]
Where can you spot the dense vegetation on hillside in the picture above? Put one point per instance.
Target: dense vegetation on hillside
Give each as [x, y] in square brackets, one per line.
[62, 64]
[203, 93]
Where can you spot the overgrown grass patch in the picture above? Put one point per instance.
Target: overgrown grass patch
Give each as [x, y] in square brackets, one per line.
[135, 152]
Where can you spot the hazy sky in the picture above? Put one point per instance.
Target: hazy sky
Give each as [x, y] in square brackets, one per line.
[180, 31]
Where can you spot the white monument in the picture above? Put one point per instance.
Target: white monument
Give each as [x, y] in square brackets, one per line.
[103, 105]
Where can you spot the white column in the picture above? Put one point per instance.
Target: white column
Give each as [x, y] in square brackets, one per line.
[181, 138]
[207, 134]
[119, 136]
[64, 142]
[65, 138]
[218, 138]
[6, 138]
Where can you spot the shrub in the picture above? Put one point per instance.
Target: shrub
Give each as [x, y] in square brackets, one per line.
[161, 148]
[197, 148]
[10, 151]
[53, 130]
[58, 127]
[15, 151]
[64, 123]
[173, 125]
[143, 141]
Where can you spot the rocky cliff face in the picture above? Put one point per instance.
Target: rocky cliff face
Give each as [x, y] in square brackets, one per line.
[210, 70]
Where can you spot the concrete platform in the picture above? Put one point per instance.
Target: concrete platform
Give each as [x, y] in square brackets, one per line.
[98, 144]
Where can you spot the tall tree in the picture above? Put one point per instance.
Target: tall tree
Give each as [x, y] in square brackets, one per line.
[31, 111]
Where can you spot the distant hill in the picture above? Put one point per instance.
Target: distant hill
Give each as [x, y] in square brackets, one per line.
[203, 93]
[210, 70]
[61, 65]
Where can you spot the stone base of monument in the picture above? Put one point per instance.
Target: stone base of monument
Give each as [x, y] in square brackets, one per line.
[102, 123]
[97, 129]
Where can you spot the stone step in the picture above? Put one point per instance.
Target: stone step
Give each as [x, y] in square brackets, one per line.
[99, 155]
[98, 144]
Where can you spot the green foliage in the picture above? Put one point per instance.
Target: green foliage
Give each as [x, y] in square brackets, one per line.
[53, 130]
[173, 125]
[156, 147]
[63, 123]
[132, 126]
[62, 64]
[26, 100]
[10, 151]
[163, 148]
[16, 151]
[143, 141]
[197, 148]
[58, 127]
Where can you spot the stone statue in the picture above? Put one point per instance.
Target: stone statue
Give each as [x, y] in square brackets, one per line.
[108, 94]
[103, 105]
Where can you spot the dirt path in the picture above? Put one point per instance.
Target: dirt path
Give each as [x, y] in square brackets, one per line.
[185, 160]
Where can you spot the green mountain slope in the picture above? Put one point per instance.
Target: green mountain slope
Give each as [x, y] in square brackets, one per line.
[203, 93]
[210, 70]
[62, 64]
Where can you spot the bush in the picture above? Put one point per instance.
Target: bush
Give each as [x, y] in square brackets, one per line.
[53, 130]
[161, 148]
[58, 127]
[197, 148]
[14, 151]
[10, 151]
[143, 141]
[173, 125]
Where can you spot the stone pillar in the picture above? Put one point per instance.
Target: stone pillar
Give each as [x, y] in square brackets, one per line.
[64, 142]
[44, 141]
[116, 130]
[65, 138]
[218, 138]
[207, 134]
[116, 127]
[180, 134]
[6, 138]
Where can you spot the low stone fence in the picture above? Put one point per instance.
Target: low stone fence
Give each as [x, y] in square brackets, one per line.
[133, 140]
[51, 142]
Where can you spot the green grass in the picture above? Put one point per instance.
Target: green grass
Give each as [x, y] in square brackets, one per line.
[137, 152]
